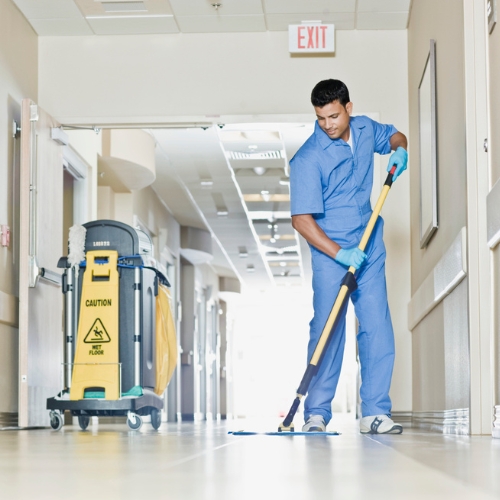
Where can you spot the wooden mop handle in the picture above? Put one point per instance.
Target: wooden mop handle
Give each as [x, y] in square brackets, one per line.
[375, 214]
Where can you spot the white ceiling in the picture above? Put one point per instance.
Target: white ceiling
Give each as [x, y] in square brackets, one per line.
[124, 17]
[244, 202]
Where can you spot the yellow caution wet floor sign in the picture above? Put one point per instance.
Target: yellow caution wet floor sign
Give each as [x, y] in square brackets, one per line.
[96, 362]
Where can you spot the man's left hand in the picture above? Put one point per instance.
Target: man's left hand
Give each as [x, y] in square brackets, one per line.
[400, 159]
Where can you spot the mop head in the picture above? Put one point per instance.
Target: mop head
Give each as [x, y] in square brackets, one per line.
[76, 245]
[298, 433]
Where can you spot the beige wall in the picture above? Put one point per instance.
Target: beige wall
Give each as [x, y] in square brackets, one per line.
[18, 79]
[494, 148]
[494, 83]
[443, 22]
[153, 214]
[439, 349]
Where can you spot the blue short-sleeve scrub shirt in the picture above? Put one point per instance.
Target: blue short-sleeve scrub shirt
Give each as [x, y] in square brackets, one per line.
[333, 182]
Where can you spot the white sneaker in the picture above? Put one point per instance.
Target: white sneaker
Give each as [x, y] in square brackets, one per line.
[379, 424]
[315, 423]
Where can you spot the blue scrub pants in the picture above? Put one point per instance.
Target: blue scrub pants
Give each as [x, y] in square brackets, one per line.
[375, 334]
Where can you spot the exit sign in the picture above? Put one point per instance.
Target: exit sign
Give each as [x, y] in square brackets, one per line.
[309, 38]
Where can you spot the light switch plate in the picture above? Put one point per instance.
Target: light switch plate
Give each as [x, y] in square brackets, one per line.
[5, 235]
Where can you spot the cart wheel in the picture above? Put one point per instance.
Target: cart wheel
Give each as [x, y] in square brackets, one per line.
[134, 421]
[56, 420]
[155, 419]
[83, 421]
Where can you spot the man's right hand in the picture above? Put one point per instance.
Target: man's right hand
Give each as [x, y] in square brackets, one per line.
[351, 257]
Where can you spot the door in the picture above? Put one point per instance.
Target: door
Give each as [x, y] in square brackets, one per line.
[40, 298]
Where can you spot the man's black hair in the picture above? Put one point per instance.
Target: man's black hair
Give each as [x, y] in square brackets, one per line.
[328, 91]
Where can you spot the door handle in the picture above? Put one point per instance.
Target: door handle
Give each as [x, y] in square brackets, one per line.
[50, 276]
[37, 273]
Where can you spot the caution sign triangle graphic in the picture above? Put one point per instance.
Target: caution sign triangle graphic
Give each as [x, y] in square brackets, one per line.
[97, 334]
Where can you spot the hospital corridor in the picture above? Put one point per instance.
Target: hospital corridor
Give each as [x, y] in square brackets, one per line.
[249, 249]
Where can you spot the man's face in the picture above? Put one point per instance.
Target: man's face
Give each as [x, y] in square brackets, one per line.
[333, 118]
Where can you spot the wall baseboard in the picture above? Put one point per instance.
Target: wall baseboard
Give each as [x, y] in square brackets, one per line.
[446, 421]
[496, 423]
[8, 420]
[402, 417]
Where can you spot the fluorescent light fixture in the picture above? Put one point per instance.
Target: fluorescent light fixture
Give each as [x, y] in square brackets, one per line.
[243, 252]
[124, 6]
[127, 16]
[250, 268]
[220, 205]
[206, 182]
[262, 155]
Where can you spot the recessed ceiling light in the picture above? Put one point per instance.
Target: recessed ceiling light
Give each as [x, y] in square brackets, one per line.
[257, 155]
[124, 7]
[283, 264]
[130, 16]
[250, 268]
[253, 146]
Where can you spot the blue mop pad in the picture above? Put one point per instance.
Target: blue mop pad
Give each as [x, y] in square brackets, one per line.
[299, 433]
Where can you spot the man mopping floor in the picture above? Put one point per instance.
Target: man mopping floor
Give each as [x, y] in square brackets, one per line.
[331, 179]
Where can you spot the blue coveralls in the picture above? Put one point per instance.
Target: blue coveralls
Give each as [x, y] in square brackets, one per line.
[334, 183]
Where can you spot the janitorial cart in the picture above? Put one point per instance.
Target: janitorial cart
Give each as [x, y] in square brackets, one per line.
[119, 332]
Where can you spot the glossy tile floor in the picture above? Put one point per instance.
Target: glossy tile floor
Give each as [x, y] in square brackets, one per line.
[202, 461]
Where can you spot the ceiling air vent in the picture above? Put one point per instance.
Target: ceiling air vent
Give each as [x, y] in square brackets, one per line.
[264, 155]
[124, 6]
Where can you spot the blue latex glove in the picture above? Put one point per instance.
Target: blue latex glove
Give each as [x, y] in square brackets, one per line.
[400, 159]
[351, 257]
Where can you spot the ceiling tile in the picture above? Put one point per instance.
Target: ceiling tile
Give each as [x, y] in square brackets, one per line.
[382, 20]
[280, 22]
[133, 25]
[221, 24]
[384, 5]
[204, 7]
[48, 9]
[61, 27]
[309, 6]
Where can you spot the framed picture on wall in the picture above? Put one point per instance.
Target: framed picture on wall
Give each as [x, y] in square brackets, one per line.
[427, 127]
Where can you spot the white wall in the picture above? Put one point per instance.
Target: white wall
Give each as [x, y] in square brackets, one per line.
[239, 77]
[156, 78]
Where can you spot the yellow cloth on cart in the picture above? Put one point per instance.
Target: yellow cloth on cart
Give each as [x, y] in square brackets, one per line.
[166, 341]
